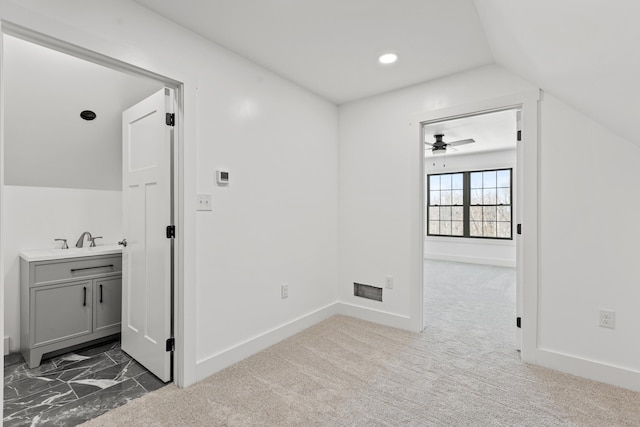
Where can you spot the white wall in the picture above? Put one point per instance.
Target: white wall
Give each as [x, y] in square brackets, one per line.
[47, 144]
[376, 154]
[477, 251]
[589, 240]
[35, 216]
[275, 223]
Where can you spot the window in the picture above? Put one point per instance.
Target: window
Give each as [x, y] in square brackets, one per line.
[470, 204]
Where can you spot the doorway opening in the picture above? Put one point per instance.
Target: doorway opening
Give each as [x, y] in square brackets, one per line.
[62, 176]
[472, 194]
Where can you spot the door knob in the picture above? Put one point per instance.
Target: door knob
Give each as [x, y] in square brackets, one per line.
[123, 242]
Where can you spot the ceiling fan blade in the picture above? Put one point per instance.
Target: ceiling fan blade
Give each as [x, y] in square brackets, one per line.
[461, 142]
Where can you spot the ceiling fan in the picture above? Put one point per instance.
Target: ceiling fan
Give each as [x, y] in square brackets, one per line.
[439, 146]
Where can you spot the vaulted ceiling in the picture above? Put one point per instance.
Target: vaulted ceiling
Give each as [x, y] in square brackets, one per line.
[586, 52]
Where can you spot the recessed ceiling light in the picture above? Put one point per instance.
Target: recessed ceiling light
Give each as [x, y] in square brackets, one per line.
[387, 58]
[88, 115]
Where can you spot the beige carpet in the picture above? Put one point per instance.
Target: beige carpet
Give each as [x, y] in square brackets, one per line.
[461, 371]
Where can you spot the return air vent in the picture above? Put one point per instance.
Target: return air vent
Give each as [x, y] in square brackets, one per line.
[367, 291]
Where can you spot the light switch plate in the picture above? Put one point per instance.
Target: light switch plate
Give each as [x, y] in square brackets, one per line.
[204, 202]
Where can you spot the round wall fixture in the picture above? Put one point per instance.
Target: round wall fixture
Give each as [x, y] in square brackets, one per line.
[88, 115]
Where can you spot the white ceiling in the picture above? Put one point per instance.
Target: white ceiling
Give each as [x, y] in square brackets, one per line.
[491, 132]
[331, 46]
[586, 52]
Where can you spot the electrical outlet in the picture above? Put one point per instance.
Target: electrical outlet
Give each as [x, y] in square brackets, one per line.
[388, 282]
[204, 202]
[608, 319]
[284, 291]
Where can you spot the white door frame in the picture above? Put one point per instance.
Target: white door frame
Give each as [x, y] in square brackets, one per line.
[179, 360]
[527, 262]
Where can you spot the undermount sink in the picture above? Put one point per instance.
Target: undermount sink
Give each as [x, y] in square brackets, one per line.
[48, 254]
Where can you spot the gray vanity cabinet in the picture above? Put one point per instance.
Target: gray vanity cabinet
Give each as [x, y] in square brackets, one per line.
[59, 312]
[66, 302]
[107, 303]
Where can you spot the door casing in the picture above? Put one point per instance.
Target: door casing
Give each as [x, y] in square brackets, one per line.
[527, 243]
[517, 219]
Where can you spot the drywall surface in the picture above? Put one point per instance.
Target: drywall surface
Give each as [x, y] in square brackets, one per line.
[376, 180]
[589, 239]
[47, 143]
[277, 220]
[35, 216]
[587, 256]
[583, 52]
[477, 251]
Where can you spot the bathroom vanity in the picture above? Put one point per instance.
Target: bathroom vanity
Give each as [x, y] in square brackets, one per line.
[68, 297]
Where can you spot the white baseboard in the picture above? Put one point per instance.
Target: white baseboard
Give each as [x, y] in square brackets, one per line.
[226, 358]
[597, 371]
[571, 364]
[374, 316]
[472, 260]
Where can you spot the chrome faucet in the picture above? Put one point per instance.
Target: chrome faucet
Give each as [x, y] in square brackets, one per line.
[64, 243]
[81, 239]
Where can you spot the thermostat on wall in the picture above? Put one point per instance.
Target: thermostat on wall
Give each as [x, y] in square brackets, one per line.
[222, 177]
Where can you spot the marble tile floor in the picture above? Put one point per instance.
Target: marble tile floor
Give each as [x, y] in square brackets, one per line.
[72, 388]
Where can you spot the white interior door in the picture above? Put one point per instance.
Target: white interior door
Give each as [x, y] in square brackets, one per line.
[146, 267]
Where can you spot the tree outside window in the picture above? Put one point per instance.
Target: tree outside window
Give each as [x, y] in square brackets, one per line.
[474, 204]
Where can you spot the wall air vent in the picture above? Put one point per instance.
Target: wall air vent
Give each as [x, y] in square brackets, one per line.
[367, 291]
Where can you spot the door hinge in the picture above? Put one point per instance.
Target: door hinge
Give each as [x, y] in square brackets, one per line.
[171, 231]
[519, 322]
[170, 119]
[518, 137]
[519, 229]
[171, 343]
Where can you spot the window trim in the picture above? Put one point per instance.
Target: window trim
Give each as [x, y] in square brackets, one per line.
[466, 205]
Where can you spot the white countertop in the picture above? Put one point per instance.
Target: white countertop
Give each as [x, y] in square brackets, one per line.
[49, 254]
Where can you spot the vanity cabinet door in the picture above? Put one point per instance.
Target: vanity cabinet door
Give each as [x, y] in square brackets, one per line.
[60, 312]
[107, 303]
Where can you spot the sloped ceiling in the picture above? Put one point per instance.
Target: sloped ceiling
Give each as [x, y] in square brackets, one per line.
[47, 144]
[331, 46]
[585, 52]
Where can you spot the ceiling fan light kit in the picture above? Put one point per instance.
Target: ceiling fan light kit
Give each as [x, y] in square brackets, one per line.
[440, 146]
